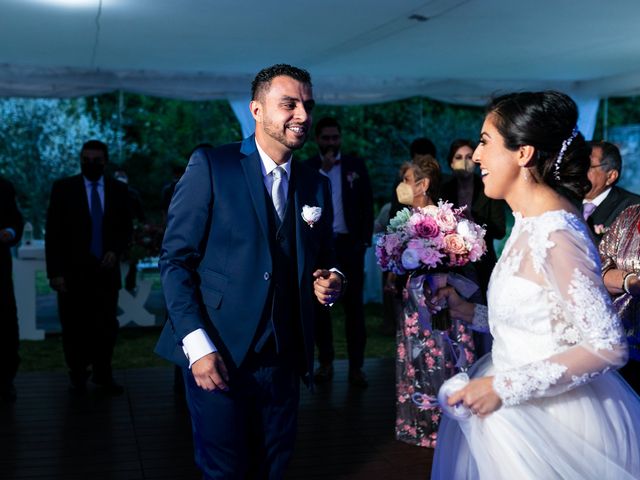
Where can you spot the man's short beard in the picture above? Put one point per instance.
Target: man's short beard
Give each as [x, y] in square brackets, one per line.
[329, 148]
[282, 138]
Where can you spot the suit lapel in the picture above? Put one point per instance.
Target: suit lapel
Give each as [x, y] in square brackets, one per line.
[601, 213]
[302, 229]
[81, 195]
[253, 175]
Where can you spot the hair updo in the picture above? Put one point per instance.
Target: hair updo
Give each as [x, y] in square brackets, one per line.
[425, 166]
[545, 120]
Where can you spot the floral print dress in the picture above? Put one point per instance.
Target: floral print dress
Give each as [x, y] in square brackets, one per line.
[425, 358]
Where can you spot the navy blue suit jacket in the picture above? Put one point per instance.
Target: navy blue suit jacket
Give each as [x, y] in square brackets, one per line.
[216, 261]
[357, 197]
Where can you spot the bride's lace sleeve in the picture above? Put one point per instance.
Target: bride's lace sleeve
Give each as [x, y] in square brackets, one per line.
[585, 329]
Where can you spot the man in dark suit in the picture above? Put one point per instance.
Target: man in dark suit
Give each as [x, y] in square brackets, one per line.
[88, 229]
[352, 228]
[604, 202]
[247, 245]
[11, 225]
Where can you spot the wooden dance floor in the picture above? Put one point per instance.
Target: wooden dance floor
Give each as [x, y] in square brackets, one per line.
[344, 433]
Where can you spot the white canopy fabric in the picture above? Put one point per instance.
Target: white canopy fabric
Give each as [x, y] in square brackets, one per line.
[357, 51]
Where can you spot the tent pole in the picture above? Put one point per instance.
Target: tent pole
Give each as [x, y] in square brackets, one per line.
[605, 121]
[120, 133]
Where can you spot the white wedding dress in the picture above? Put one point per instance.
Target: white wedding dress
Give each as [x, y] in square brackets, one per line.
[566, 413]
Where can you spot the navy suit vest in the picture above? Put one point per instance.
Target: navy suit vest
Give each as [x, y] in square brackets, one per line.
[281, 312]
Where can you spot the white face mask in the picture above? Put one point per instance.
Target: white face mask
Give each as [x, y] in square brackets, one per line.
[405, 194]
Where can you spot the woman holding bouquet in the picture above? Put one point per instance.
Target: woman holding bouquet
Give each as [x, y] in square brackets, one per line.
[425, 358]
[546, 402]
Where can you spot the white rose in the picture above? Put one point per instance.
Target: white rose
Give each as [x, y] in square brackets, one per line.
[466, 230]
[311, 214]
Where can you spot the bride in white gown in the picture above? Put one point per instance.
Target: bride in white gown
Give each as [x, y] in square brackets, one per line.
[547, 401]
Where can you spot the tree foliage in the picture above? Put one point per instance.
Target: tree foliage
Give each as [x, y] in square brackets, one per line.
[40, 139]
[40, 142]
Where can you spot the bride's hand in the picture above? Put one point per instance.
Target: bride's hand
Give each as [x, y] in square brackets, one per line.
[479, 396]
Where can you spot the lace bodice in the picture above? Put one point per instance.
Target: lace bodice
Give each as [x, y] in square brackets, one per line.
[552, 320]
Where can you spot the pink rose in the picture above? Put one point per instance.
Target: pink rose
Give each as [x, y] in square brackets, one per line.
[425, 227]
[454, 243]
[446, 220]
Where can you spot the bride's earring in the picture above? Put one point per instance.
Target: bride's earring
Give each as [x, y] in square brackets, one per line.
[526, 174]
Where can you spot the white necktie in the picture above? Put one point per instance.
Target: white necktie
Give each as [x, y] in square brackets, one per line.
[278, 195]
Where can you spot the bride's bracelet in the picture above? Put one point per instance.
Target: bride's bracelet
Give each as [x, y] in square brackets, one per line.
[625, 281]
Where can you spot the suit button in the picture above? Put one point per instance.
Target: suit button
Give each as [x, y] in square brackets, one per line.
[267, 275]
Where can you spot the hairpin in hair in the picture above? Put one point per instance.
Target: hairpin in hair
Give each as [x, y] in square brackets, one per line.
[563, 149]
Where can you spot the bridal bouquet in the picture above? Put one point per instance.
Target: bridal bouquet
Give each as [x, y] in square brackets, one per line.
[430, 238]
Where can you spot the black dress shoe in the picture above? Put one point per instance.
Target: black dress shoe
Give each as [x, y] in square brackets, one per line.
[323, 374]
[8, 393]
[109, 386]
[357, 378]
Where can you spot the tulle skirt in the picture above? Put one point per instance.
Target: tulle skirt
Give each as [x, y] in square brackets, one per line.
[590, 432]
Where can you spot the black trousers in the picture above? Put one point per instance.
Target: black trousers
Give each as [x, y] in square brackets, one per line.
[9, 339]
[350, 257]
[88, 315]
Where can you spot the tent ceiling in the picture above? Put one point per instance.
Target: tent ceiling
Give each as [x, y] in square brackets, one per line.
[357, 51]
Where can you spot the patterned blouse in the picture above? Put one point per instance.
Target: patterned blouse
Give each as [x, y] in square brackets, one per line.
[620, 249]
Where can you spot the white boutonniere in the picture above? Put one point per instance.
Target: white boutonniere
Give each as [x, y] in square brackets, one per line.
[600, 229]
[352, 177]
[311, 214]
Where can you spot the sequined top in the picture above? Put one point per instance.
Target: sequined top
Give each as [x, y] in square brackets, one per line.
[620, 249]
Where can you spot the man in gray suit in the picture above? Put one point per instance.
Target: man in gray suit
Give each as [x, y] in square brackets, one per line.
[604, 202]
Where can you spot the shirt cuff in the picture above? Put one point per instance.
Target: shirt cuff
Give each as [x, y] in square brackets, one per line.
[343, 284]
[196, 345]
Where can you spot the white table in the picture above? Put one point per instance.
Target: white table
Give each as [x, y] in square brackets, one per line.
[31, 259]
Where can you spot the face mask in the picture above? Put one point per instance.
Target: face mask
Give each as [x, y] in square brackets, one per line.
[93, 171]
[404, 192]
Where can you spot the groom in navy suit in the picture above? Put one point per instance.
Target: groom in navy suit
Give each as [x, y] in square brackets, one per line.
[246, 250]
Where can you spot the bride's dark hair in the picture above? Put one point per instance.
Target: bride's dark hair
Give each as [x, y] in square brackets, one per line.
[546, 121]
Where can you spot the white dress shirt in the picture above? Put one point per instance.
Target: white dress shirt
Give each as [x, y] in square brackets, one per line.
[599, 199]
[335, 178]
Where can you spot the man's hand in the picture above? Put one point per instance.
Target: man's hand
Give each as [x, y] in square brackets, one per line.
[210, 373]
[5, 235]
[327, 286]
[58, 284]
[479, 396]
[109, 260]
